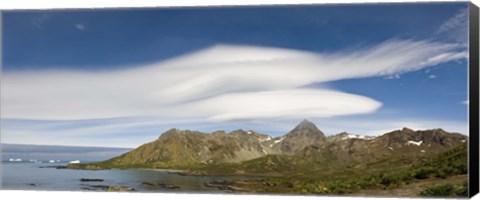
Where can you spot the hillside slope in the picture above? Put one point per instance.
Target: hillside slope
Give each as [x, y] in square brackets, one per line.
[304, 147]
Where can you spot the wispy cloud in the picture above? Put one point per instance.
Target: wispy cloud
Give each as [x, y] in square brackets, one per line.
[263, 87]
[395, 76]
[220, 83]
[40, 20]
[80, 26]
[432, 76]
[466, 102]
[456, 28]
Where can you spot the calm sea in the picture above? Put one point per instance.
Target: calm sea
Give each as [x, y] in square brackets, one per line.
[29, 175]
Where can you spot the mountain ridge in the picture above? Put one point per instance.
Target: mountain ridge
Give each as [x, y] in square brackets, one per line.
[185, 148]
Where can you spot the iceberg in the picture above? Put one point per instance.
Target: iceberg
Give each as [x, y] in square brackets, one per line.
[35, 161]
[74, 162]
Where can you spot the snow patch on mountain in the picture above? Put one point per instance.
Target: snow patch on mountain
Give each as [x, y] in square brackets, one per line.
[411, 142]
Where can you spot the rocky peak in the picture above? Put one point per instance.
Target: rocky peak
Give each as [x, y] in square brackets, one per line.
[186, 148]
[171, 132]
[220, 132]
[304, 134]
[306, 129]
[343, 134]
[305, 124]
[405, 129]
[338, 137]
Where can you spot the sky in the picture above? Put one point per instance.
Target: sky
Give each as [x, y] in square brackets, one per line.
[46, 153]
[121, 77]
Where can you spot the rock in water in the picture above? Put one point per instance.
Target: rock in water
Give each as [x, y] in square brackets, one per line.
[120, 188]
[91, 180]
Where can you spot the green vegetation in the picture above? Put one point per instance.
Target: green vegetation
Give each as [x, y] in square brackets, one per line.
[338, 167]
[444, 190]
[266, 165]
[350, 180]
[293, 174]
[451, 162]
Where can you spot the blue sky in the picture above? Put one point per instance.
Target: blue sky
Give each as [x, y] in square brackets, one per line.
[122, 77]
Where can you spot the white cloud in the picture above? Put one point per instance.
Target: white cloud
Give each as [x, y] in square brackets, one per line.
[395, 76]
[456, 28]
[432, 76]
[223, 82]
[104, 132]
[466, 102]
[296, 103]
[458, 20]
[80, 26]
[40, 20]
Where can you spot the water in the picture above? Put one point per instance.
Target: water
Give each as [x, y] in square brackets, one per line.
[20, 176]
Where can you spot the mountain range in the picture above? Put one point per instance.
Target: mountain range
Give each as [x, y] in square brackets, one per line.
[302, 146]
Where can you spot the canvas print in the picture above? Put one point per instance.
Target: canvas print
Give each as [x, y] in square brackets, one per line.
[350, 99]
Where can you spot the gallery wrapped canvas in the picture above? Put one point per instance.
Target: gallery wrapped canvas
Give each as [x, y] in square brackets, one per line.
[376, 100]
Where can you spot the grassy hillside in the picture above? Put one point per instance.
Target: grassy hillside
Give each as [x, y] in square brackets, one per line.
[381, 176]
[272, 165]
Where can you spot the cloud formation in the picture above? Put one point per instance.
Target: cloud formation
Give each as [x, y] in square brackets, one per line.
[39, 21]
[80, 26]
[456, 27]
[220, 83]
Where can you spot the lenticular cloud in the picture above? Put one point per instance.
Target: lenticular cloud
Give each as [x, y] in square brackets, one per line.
[220, 83]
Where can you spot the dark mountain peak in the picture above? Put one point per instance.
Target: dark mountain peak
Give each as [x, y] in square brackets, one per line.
[238, 132]
[305, 124]
[400, 132]
[405, 129]
[304, 134]
[220, 132]
[177, 133]
[306, 129]
[338, 136]
[343, 133]
[439, 130]
[169, 133]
